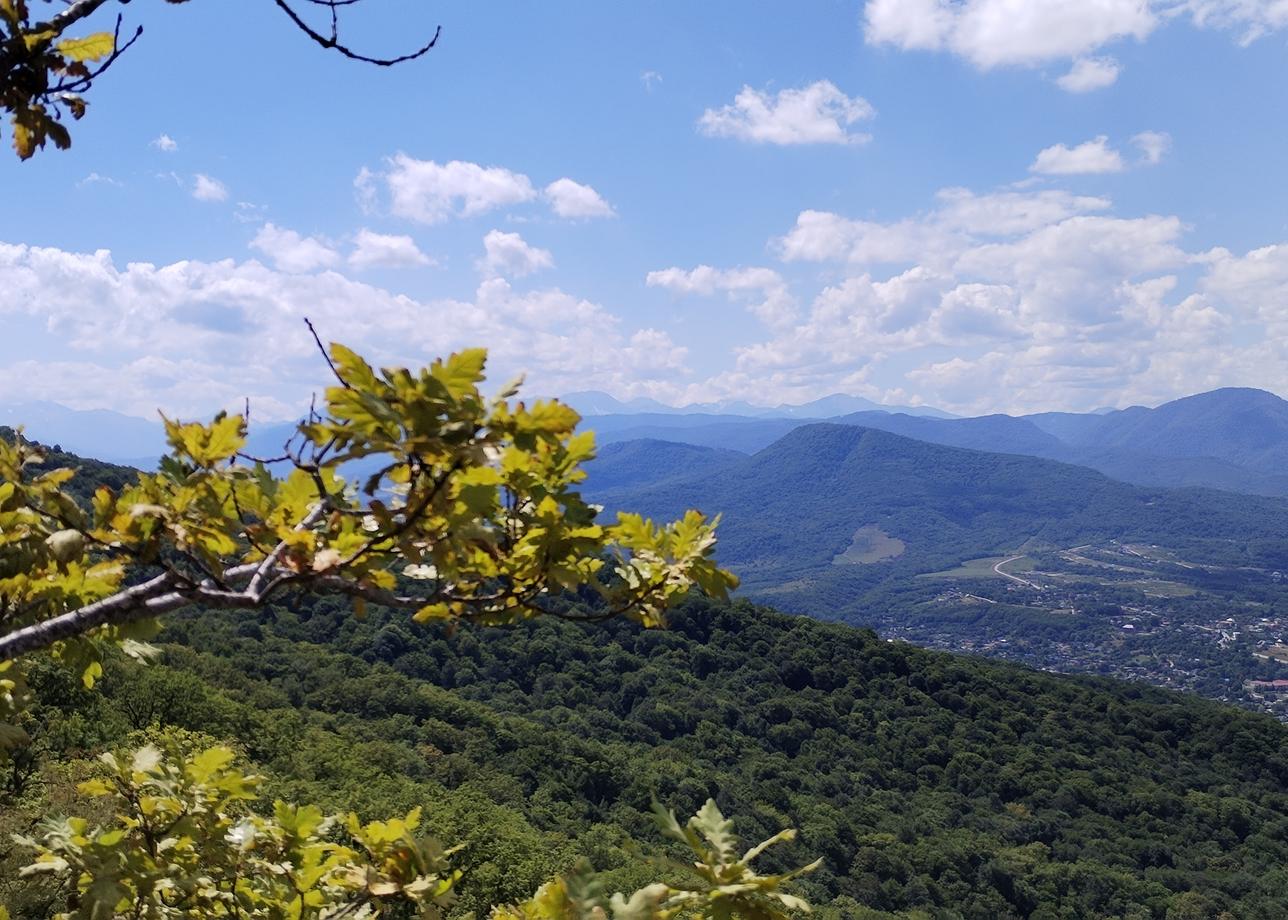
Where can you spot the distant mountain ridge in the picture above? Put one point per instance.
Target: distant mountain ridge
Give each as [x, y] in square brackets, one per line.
[791, 509]
[595, 402]
[1234, 439]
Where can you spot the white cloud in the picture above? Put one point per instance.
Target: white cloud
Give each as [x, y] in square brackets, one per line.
[572, 199]
[291, 252]
[382, 250]
[1256, 283]
[1015, 300]
[1251, 18]
[95, 178]
[508, 254]
[773, 303]
[650, 79]
[995, 33]
[1088, 74]
[193, 336]
[821, 236]
[366, 190]
[1152, 145]
[247, 212]
[204, 188]
[817, 114]
[165, 143]
[1093, 156]
[429, 192]
[1009, 212]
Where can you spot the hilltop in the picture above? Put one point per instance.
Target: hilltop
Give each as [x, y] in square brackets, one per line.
[792, 507]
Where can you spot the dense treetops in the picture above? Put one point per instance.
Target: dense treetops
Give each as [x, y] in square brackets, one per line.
[471, 514]
[930, 784]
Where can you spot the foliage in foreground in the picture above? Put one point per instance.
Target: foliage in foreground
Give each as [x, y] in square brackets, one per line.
[45, 71]
[183, 844]
[469, 512]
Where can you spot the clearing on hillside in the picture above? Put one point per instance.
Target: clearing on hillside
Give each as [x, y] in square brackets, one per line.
[870, 544]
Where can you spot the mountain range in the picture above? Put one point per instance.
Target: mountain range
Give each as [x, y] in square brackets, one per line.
[595, 402]
[1235, 439]
[793, 511]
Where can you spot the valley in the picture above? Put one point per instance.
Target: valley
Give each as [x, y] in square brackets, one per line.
[1048, 564]
[1130, 611]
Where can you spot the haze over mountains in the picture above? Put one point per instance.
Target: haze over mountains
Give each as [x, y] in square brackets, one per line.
[594, 402]
[1235, 439]
[790, 511]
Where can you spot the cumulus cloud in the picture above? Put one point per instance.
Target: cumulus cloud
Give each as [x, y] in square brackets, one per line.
[508, 254]
[821, 236]
[816, 114]
[1088, 74]
[1256, 283]
[1152, 146]
[1250, 18]
[573, 200]
[1018, 300]
[1008, 212]
[770, 299]
[1093, 156]
[165, 143]
[194, 336]
[995, 33]
[205, 188]
[430, 192]
[383, 250]
[291, 252]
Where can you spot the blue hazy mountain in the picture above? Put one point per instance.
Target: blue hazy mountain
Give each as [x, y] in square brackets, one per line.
[1231, 439]
[627, 464]
[1241, 426]
[792, 508]
[1234, 439]
[595, 402]
[97, 433]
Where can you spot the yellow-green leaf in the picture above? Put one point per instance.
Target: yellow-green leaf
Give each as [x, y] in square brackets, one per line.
[89, 48]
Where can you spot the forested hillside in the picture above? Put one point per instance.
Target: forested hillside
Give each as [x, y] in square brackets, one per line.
[930, 784]
[792, 508]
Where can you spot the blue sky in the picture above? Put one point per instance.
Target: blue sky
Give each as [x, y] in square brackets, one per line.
[989, 205]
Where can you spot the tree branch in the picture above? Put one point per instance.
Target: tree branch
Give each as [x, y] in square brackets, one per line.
[333, 43]
[119, 608]
[73, 14]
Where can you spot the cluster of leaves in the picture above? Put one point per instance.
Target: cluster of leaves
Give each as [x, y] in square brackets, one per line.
[182, 843]
[724, 883]
[44, 73]
[470, 512]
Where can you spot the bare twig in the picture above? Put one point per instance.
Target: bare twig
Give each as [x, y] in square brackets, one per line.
[333, 43]
[327, 357]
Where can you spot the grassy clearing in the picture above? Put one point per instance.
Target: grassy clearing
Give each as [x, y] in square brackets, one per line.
[981, 568]
[870, 544]
[1157, 588]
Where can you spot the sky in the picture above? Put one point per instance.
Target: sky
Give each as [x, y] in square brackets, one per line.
[980, 205]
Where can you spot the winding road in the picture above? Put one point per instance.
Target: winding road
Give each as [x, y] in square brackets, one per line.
[998, 569]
